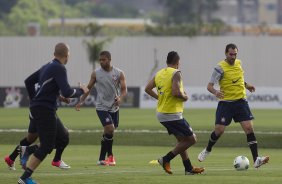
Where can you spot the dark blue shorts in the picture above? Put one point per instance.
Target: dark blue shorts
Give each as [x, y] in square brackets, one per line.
[108, 118]
[238, 111]
[178, 127]
[45, 120]
[32, 126]
[51, 131]
[33, 129]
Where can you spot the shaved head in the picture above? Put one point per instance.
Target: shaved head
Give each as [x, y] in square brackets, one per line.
[61, 50]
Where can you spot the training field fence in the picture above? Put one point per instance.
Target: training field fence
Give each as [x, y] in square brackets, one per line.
[199, 97]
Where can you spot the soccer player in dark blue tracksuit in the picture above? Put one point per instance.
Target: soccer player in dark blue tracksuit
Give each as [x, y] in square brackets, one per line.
[49, 81]
[32, 135]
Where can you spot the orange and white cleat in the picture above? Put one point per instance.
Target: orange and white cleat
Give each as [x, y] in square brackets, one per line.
[165, 165]
[195, 170]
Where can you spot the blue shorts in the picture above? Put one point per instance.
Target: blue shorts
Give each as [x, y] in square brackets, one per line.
[108, 118]
[51, 131]
[238, 110]
[32, 126]
[178, 127]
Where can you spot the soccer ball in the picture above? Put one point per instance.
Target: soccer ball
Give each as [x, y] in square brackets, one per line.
[241, 163]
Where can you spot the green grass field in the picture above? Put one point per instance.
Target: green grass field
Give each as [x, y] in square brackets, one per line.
[134, 149]
[133, 167]
[200, 119]
[267, 125]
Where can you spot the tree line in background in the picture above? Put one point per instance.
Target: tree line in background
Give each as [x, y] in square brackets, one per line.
[188, 18]
[179, 18]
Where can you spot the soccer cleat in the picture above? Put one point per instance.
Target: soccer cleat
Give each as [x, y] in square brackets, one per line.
[260, 161]
[102, 162]
[111, 160]
[27, 181]
[10, 163]
[203, 155]
[23, 156]
[195, 170]
[61, 164]
[165, 165]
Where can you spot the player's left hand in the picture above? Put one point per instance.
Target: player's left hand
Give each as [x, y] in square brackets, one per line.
[77, 106]
[251, 88]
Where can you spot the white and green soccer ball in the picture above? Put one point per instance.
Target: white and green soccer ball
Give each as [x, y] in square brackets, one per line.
[241, 163]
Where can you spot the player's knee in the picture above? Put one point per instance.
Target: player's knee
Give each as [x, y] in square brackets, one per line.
[25, 142]
[109, 129]
[193, 140]
[63, 142]
[219, 132]
[189, 141]
[42, 152]
[48, 150]
[66, 139]
[108, 136]
[31, 137]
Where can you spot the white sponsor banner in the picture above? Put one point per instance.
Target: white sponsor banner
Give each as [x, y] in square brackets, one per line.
[199, 97]
[146, 101]
[266, 98]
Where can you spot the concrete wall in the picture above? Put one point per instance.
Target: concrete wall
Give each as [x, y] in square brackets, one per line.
[261, 57]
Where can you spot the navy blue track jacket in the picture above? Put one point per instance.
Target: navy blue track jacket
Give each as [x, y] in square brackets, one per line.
[46, 84]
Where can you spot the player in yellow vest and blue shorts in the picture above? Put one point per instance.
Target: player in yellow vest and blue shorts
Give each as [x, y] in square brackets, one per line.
[171, 97]
[232, 103]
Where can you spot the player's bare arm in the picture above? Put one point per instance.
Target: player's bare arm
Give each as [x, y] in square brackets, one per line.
[149, 89]
[176, 87]
[89, 87]
[219, 94]
[123, 89]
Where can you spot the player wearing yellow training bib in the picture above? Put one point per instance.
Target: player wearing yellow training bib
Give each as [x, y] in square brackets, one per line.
[166, 102]
[171, 96]
[232, 80]
[233, 104]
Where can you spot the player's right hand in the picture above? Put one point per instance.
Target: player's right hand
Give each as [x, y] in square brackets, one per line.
[219, 94]
[63, 99]
[77, 106]
[80, 103]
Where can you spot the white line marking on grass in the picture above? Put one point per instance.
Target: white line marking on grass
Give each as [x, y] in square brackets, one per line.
[147, 131]
[91, 172]
[145, 171]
